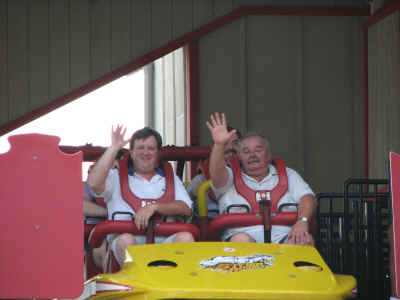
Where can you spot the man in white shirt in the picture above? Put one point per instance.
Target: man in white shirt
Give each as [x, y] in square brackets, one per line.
[146, 181]
[259, 174]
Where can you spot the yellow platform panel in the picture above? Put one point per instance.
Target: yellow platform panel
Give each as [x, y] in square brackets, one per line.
[216, 270]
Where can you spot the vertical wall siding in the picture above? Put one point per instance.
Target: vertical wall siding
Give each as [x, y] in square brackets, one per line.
[271, 73]
[50, 48]
[329, 100]
[59, 48]
[100, 38]
[383, 93]
[120, 32]
[18, 78]
[358, 106]
[294, 80]
[4, 99]
[273, 81]
[80, 54]
[38, 37]
[220, 78]
[140, 27]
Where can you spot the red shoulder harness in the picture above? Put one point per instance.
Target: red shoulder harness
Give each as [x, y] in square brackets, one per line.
[135, 202]
[253, 197]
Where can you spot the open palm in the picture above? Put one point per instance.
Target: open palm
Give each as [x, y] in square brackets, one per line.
[217, 127]
[117, 137]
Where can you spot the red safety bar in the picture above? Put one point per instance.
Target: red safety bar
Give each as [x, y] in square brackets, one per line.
[225, 221]
[168, 153]
[101, 230]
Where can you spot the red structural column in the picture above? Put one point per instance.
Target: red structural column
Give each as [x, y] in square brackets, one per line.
[192, 84]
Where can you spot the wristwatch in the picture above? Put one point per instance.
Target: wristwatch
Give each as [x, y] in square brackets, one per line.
[303, 219]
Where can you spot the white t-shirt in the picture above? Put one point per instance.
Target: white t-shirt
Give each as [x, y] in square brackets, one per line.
[142, 188]
[227, 195]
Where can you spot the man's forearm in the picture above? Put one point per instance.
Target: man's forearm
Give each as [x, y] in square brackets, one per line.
[307, 206]
[97, 176]
[218, 173]
[176, 207]
[91, 209]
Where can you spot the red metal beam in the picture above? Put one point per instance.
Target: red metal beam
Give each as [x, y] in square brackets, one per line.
[381, 14]
[305, 10]
[192, 84]
[170, 153]
[173, 45]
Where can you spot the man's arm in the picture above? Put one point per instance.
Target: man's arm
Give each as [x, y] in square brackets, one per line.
[218, 173]
[299, 233]
[180, 206]
[307, 207]
[97, 176]
[176, 207]
[91, 209]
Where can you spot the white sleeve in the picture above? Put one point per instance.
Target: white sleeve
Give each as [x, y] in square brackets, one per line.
[180, 192]
[112, 181]
[196, 181]
[297, 186]
[219, 192]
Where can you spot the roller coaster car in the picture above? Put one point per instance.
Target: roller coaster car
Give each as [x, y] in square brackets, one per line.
[217, 270]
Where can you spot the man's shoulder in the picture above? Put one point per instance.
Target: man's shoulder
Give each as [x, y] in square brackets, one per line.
[292, 172]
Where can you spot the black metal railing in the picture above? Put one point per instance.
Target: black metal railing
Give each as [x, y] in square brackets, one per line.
[351, 234]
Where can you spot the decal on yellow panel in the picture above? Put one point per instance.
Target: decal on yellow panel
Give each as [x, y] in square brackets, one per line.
[231, 264]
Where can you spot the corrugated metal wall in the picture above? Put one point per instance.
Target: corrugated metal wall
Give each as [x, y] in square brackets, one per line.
[295, 78]
[50, 48]
[298, 81]
[383, 93]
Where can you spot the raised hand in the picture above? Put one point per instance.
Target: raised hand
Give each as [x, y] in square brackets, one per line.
[117, 137]
[218, 129]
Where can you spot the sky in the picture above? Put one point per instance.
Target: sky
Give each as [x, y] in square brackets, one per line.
[89, 119]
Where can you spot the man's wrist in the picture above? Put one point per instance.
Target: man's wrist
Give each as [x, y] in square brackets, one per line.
[219, 146]
[303, 219]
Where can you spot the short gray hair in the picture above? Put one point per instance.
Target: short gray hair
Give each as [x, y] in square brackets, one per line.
[256, 134]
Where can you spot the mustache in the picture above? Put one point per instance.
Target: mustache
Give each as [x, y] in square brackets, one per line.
[253, 159]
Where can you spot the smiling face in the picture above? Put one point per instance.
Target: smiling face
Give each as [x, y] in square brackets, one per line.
[254, 156]
[145, 155]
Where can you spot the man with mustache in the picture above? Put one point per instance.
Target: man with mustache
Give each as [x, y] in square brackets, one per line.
[259, 174]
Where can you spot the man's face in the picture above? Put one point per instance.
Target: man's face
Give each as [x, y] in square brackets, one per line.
[145, 155]
[254, 155]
